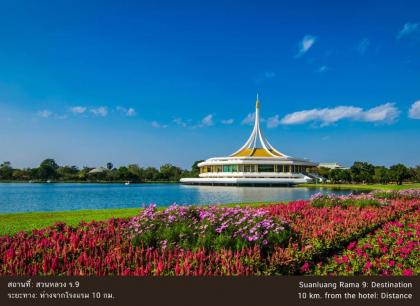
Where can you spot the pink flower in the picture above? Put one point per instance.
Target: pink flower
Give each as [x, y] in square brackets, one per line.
[351, 245]
[407, 272]
[305, 267]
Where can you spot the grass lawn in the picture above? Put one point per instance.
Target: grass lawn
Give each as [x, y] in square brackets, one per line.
[365, 186]
[16, 222]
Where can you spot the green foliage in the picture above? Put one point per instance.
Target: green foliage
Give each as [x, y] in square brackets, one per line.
[340, 176]
[381, 175]
[362, 172]
[6, 171]
[324, 172]
[47, 170]
[365, 173]
[170, 173]
[195, 170]
[399, 173]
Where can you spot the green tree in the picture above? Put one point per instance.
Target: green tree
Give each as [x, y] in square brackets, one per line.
[346, 175]
[334, 175]
[135, 172]
[381, 175]
[362, 172]
[399, 173]
[21, 174]
[6, 171]
[416, 173]
[123, 173]
[109, 166]
[83, 173]
[47, 169]
[49, 162]
[151, 174]
[195, 170]
[170, 173]
[340, 176]
[68, 172]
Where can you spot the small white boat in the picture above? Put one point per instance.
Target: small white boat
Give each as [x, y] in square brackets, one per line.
[127, 183]
[49, 181]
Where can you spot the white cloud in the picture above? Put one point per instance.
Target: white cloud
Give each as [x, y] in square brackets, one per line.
[207, 120]
[227, 121]
[180, 122]
[78, 109]
[273, 122]
[414, 112]
[156, 124]
[249, 119]
[409, 28]
[326, 115]
[383, 113]
[362, 46]
[101, 111]
[129, 112]
[44, 113]
[269, 74]
[323, 68]
[60, 117]
[307, 42]
[262, 77]
[386, 113]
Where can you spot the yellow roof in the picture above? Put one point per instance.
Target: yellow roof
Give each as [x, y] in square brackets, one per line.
[256, 152]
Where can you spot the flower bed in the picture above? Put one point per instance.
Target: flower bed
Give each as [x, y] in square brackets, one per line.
[269, 240]
[332, 200]
[321, 231]
[210, 228]
[393, 249]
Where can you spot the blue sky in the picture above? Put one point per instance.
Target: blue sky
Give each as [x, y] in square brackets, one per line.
[87, 82]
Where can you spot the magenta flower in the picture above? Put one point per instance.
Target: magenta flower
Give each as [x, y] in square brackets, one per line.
[407, 272]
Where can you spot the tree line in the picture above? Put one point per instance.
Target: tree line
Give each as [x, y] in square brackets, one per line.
[363, 172]
[49, 170]
[359, 172]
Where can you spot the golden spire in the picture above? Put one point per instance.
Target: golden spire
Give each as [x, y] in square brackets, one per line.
[257, 104]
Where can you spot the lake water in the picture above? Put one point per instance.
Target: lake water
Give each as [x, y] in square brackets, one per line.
[57, 197]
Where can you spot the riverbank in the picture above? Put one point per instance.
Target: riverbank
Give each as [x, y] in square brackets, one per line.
[11, 223]
[364, 186]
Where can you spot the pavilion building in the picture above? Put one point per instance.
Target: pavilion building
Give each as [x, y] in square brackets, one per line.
[257, 162]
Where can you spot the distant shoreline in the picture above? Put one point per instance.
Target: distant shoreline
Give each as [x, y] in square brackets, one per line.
[308, 185]
[86, 182]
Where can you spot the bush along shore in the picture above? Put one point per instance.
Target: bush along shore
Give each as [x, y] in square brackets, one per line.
[368, 234]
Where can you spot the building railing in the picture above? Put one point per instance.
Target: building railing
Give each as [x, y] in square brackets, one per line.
[251, 174]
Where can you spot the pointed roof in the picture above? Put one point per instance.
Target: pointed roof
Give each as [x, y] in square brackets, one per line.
[251, 148]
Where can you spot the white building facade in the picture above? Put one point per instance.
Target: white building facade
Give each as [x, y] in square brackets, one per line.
[257, 162]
